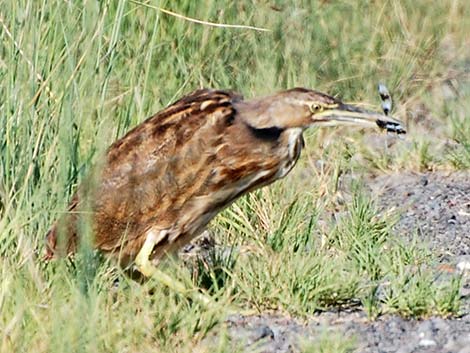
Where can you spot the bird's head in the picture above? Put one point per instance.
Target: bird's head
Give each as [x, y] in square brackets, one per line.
[303, 108]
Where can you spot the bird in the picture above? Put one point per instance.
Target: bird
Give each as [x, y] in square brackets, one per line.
[157, 188]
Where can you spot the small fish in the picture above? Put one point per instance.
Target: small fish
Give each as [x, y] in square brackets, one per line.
[386, 98]
[390, 126]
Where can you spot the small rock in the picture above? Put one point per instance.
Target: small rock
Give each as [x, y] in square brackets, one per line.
[426, 342]
[263, 332]
[463, 266]
[452, 220]
[424, 181]
[465, 290]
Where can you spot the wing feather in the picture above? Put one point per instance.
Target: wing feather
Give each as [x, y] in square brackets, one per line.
[152, 168]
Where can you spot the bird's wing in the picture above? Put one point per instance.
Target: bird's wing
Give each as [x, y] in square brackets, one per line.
[203, 94]
[155, 166]
[159, 138]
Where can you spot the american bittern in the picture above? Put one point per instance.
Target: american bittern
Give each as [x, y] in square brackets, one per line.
[161, 184]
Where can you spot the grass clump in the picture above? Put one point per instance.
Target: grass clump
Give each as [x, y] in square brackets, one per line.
[357, 260]
[459, 155]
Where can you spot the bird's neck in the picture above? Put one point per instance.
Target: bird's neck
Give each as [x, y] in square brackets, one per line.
[264, 113]
[293, 142]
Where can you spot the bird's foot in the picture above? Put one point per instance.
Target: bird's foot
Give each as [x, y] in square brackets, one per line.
[145, 266]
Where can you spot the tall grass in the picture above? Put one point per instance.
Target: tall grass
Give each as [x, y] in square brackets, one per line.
[75, 75]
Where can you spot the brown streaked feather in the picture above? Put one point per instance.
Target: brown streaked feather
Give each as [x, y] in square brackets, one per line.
[159, 176]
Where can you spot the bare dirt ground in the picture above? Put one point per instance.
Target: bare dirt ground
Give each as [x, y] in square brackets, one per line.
[435, 207]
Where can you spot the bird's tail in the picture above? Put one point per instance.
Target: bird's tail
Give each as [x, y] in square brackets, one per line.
[60, 242]
[51, 243]
[62, 237]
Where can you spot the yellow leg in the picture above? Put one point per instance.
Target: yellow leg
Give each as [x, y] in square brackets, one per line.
[145, 266]
[142, 260]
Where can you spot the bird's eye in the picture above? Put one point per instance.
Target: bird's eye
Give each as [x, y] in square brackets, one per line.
[316, 108]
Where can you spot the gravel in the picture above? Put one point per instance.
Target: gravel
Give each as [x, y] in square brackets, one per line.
[271, 333]
[436, 208]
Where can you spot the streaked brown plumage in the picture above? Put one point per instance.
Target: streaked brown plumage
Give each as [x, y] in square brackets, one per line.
[161, 184]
